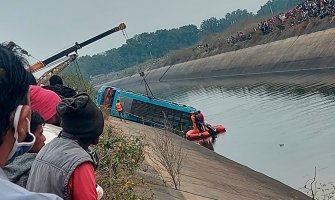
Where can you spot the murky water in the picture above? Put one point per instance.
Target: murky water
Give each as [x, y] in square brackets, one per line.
[280, 125]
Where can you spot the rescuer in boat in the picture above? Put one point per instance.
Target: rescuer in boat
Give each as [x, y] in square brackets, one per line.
[201, 117]
[212, 132]
[119, 108]
[194, 124]
[200, 126]
[201, 120]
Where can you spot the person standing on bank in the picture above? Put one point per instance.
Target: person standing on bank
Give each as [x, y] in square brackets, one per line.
[15, 136]
[63, 166]
[119, 108]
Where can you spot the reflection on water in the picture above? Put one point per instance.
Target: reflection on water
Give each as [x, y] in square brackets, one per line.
[280, 125]
[207, 143]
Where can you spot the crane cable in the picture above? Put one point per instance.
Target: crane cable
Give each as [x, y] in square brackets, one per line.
[125, 34]
[77, 68]
[81, 79]
[25, 52]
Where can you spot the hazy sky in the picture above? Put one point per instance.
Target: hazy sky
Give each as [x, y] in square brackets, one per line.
[44, 27]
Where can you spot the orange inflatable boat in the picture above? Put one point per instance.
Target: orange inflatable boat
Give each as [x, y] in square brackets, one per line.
[191, 135]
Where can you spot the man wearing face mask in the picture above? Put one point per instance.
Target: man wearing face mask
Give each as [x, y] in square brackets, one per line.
[18, 170]
[15, 136]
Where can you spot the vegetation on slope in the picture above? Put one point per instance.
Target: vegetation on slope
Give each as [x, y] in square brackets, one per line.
[148, 46]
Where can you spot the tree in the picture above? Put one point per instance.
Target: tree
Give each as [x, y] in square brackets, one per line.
[139, 49]
[210, 25]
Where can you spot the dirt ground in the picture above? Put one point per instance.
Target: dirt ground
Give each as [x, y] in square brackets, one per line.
[207, 175]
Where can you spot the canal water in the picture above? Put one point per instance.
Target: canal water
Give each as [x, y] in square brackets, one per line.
[281, 125]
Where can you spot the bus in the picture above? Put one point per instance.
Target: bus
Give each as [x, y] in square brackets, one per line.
[147, 110]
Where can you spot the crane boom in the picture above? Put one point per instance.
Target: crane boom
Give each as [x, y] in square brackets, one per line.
[74, 48]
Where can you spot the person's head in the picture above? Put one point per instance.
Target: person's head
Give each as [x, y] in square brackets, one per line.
[45, 102]
[192, 113]
[13, 92]
[36, 127]
[31, 79]
[55, 80]
[118, 101]
[199, 112]
[81, 118]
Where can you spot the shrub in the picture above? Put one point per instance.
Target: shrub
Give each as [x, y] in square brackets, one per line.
[78, 83]
[120, 159]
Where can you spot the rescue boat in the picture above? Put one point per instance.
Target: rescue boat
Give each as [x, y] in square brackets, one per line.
[192, 135]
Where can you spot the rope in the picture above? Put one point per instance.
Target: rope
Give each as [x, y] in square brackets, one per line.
[125, 34]
[34, 57]
[77, 68]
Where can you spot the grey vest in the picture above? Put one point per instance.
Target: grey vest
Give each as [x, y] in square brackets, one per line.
[54, 166]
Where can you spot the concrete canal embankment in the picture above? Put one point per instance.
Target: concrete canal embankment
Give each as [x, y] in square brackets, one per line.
[208, 175]
[312, 51]
[212, 175]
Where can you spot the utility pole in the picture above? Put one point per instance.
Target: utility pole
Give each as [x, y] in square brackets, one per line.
[271, 9]
[147, 88]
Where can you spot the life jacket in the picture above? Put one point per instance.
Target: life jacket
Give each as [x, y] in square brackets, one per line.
[118, 107]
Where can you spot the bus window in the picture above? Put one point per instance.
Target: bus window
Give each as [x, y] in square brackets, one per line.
[126, 103]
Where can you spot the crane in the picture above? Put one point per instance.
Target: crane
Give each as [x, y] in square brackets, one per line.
[39, 65]
[57, 69]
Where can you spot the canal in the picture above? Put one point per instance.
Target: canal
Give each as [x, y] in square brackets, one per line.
[281, 124]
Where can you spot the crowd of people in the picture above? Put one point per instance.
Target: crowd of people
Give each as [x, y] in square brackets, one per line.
[302, 12]
[30, 169]
[239, 37]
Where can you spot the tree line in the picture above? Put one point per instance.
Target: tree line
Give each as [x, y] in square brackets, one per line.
[148, 46]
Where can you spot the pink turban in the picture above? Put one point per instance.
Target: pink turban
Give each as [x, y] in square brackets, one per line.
[43, 101]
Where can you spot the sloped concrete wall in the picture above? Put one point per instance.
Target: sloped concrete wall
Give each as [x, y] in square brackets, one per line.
[305, 52]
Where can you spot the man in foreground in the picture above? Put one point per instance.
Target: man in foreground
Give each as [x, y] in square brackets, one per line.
[18, 170]
[63, 165]
[15, 136]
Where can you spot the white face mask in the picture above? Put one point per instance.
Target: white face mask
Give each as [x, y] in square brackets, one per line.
[22, 147]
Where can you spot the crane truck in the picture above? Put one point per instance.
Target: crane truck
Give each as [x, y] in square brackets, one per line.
[41, 64]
